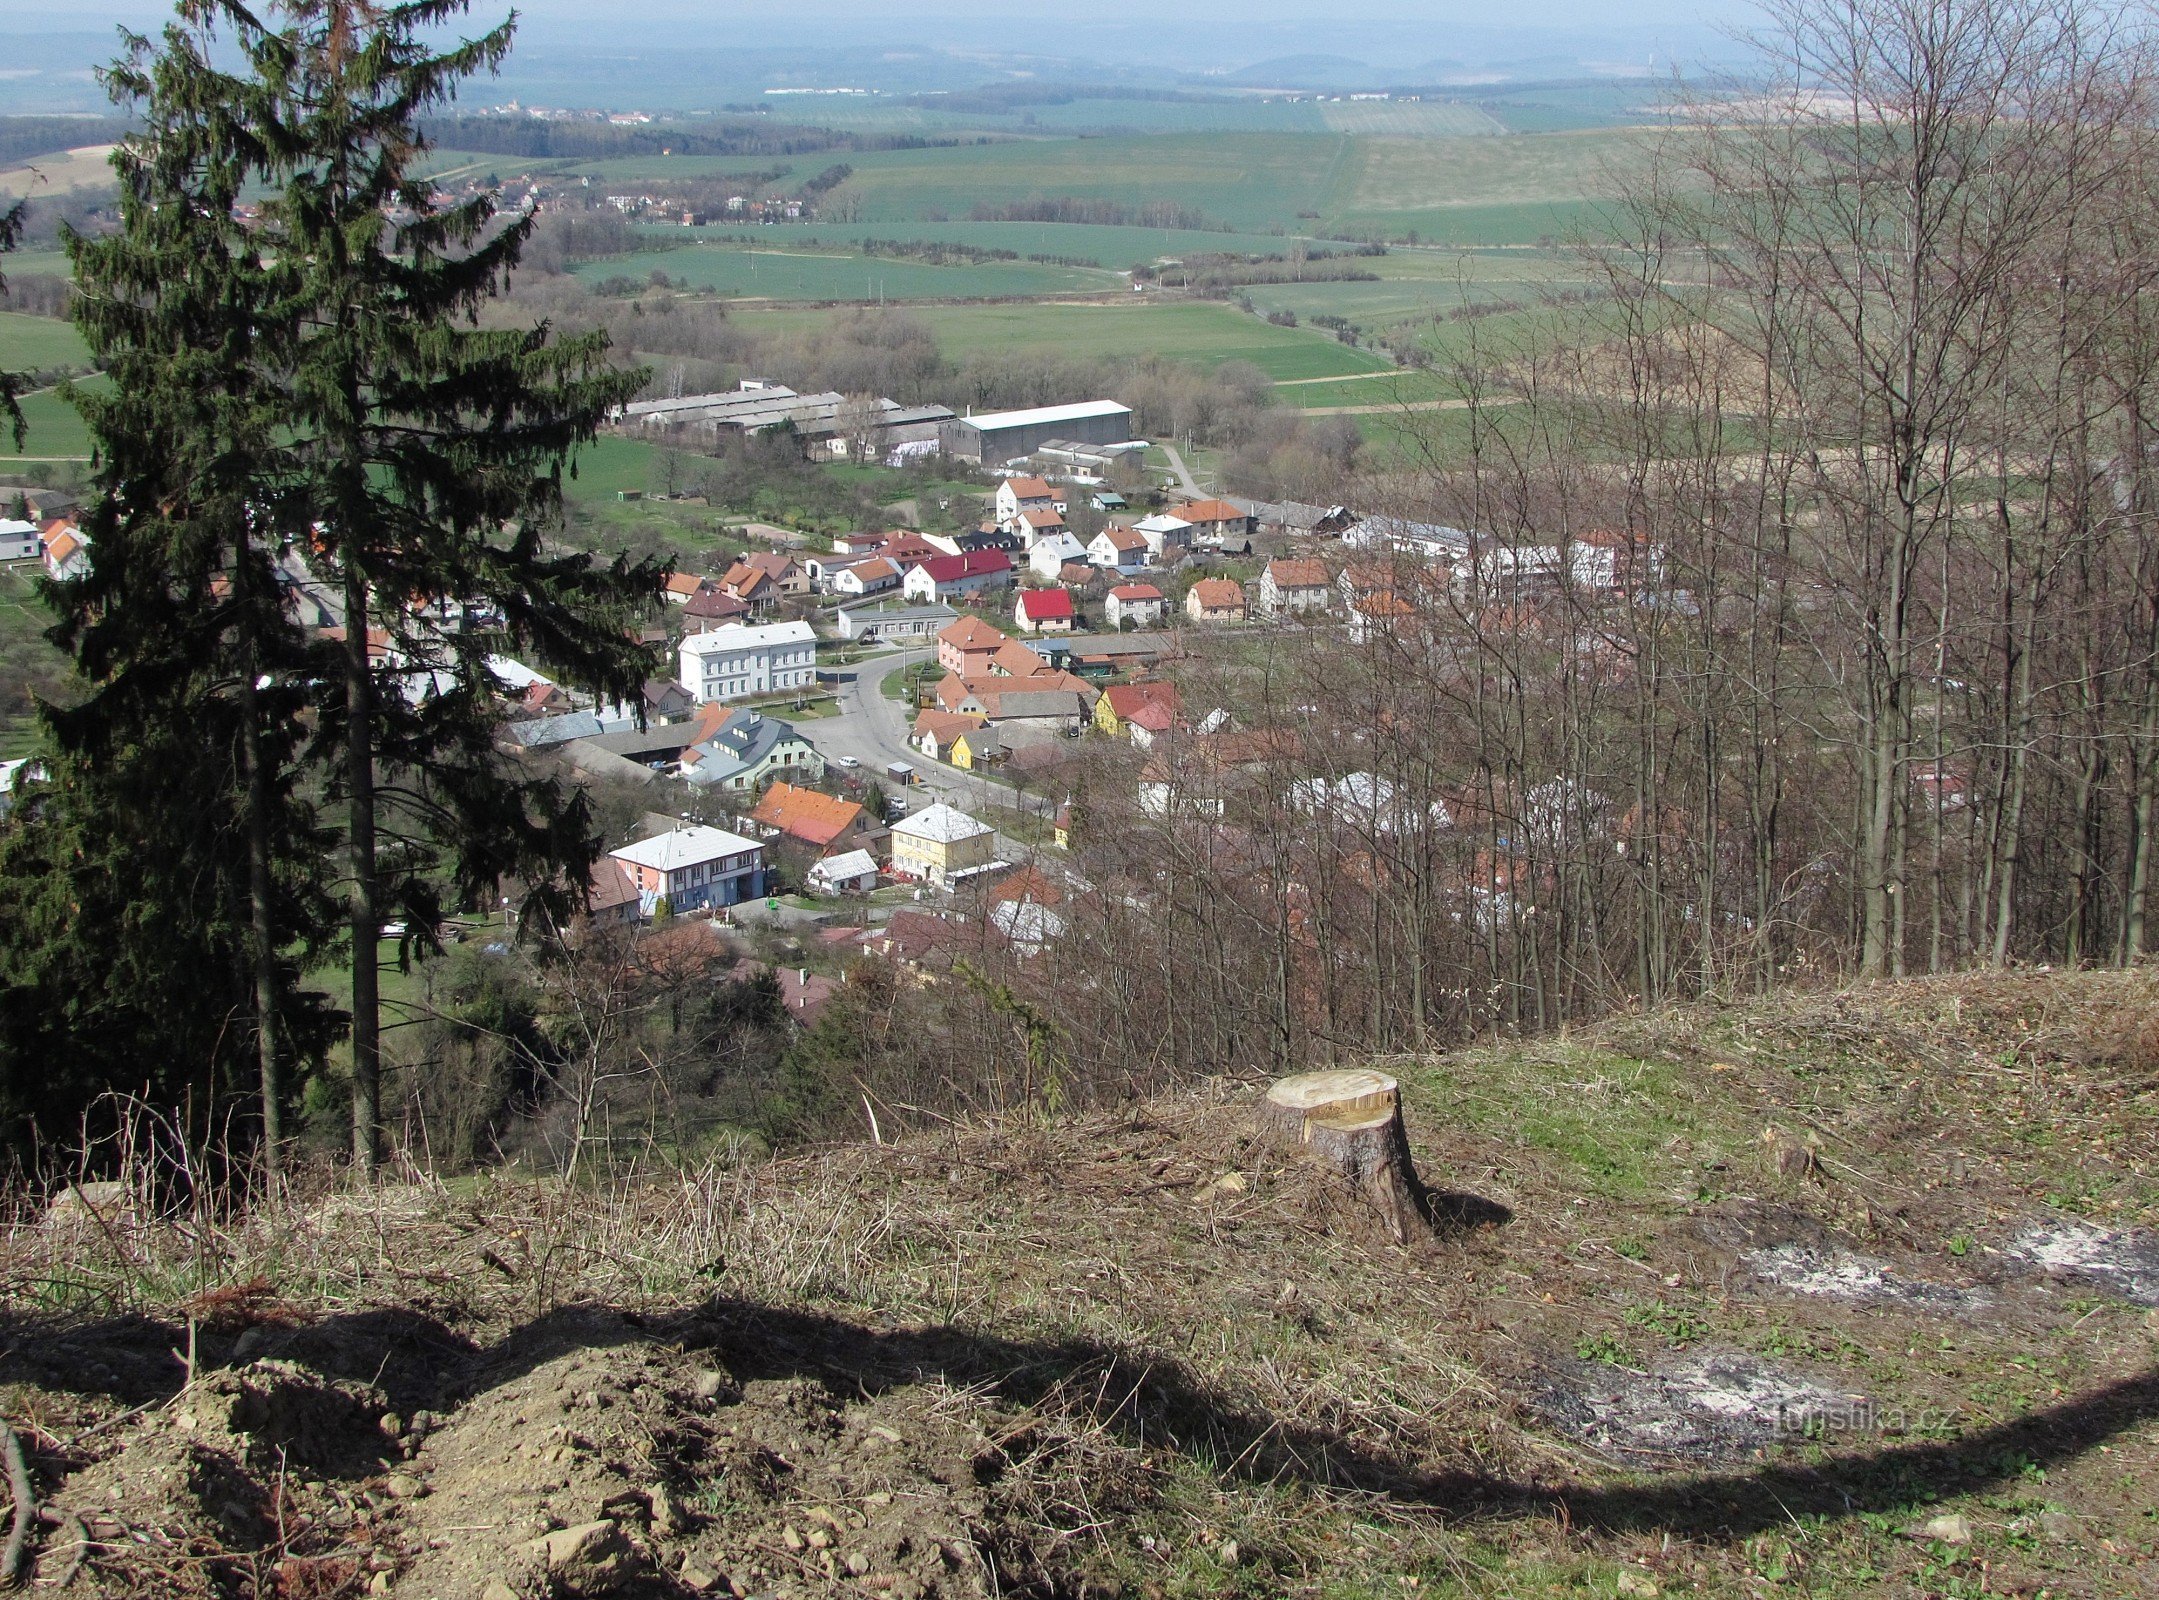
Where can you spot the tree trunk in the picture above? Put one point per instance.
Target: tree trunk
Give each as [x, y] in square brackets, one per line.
[264, 930]
[1351, 1123]
[366, 917]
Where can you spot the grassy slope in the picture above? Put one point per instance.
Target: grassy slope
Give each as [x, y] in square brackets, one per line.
[55, 429]
[1198, 331]
[30, 344]
[786, 271]
[1180, 1341]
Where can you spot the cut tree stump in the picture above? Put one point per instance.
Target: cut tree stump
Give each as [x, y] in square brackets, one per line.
[1351, 1124]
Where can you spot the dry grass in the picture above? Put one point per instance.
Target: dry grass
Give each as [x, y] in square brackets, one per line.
[1179, 1341]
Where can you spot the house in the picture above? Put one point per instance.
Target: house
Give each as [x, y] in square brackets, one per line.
[1023, 908]
[1037, 524]
[667, 701]
[1082, 577]
[958, 577]
[1044, 611]
[710, 608]
[67, 550]
[987, 537]
[909, 550]
[1122, 705]
[1054, 554]
[1140, 604]
[789, 576]
[822, 823]
[1018, 496]
[740, 749]
[1427, 541]
[978, 747]
[734, 662]
[1053, 703]
[1215, 600]
[888, 623]
[1107, 501]
[875, 576]
[19, 540]
[753, 586]
[1291, 587]
[1119, 550]
[941, 846]
[1199, 776]
[683, 587]
[1218, 525]
[854, 872]
[611, 898]
[935, 731]
[542, 699]
[1169, 539]
[694, 868]
[856, 544]
[968, 646]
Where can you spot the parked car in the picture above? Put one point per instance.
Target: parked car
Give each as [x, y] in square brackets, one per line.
[847, 761]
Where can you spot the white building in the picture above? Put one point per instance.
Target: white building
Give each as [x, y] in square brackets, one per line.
[735, 662]
[1169, 538]
[694, 867]
[1049, 555]
[19, 540]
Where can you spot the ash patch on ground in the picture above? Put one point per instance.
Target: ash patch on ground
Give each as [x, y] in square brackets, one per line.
[2122, 1261]
[1711, 1407]
[1830, 1273]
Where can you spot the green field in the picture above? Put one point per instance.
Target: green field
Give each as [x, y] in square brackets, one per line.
[39, 344]
[1406, 387]
[607, 466]
[742, 272]
[30, 263]
[1206, 333]
[54, 429]
[1111, 246]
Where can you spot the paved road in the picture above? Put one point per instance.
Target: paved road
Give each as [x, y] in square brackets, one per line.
[872, 728]
[1184, 473]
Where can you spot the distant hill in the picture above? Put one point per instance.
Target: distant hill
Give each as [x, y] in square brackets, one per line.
[1301, 72]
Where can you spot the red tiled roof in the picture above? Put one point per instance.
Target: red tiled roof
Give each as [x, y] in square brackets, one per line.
[805, 814]
[1219, 594]
[1127, 699]
[974, 564]
[1290, 574]
[1210, 511]
[972, 633]
[1041, 517]
[1135, 591]
[1046, 605]
[1030, 488]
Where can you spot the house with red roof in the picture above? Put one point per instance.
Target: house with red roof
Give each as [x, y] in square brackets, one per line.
[1125, 707]
[67, 550]
[1118, 550]
[1045, 611]
[1140, 604]
[821, 823]
[964, 577]
[966, 646]
[1215, 600]
[1018, 496]
[1217, 525]
[1292, 587]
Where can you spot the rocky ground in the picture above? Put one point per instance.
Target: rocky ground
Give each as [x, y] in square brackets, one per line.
[1848, 1295]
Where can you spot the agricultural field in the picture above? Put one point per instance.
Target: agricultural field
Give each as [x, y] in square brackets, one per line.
[606, 467]
[31, 263]
[39, 344]
[89, 167]
[743, 272]
[1206, 333]
[1396, 184]
[56, 432]
[1411, 386]
[1111, 246]
[1424, 282]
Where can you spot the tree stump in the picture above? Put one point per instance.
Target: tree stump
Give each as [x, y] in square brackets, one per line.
[1351, 1124]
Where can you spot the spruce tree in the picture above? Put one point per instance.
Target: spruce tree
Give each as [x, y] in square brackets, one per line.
[10, 383]
[180, 627]
[421, 458]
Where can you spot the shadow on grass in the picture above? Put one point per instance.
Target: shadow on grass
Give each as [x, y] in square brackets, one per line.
[1147, 1402]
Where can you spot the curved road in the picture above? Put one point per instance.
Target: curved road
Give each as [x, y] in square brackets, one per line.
[873, 728]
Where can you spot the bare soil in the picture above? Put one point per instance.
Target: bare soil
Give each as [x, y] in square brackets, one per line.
[1847, 1295]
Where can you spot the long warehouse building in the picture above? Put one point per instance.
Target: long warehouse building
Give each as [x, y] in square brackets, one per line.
[995, 437]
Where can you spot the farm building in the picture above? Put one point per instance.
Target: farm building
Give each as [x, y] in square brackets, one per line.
[998, 436]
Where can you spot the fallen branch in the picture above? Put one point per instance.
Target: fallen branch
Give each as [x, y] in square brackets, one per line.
[18, 1479]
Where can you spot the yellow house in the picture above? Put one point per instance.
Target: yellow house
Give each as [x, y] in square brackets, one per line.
[977, 747]
[941, 846]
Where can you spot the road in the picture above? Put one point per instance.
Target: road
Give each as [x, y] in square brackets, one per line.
[1184, 473]
[873, 728]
